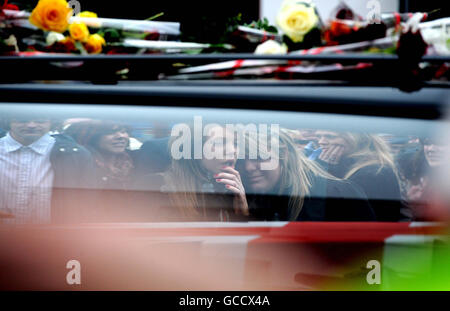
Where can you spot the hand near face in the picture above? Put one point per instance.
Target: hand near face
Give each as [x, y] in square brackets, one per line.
[332, 155]
[416, 193]
[232, 181]
[418, 200]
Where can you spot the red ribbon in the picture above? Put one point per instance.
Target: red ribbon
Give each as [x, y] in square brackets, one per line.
[264, 39]
[7, 6]
[228, 73]
[397, 19]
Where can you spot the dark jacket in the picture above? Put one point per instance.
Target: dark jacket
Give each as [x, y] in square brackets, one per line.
[379, 184]
[153, 156]
[329, 200]
[72, 163]
[73, 167]
[135, 197]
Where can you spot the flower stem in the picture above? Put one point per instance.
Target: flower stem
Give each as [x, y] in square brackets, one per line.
[155, 16]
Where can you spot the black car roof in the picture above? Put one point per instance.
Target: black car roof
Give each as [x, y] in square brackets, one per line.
[428, 103]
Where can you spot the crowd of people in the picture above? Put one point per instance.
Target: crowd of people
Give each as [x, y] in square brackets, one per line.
[87, 172]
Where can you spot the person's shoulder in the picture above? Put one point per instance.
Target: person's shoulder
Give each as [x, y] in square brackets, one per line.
[344, 188]
[377, 180]
[67, 145]
[350, 198]
[375, 170]
[159, 145]
[338, 188]
[153, 156]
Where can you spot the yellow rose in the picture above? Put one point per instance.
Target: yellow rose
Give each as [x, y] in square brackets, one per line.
[94, 44]
[297, 18]
[79, 32]
[87, 14]
[51, 15]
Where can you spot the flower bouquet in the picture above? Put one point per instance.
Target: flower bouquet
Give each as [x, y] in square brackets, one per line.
[300, 23]
[51, 27]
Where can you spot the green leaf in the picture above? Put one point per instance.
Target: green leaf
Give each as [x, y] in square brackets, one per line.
[194, 52]
[262, 24]
[134, 35]
[111, 35]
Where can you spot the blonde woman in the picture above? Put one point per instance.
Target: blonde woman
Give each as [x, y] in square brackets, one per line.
[365, 160]
[297, 189]
[209, 188]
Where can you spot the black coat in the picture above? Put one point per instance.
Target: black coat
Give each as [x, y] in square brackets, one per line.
[152, 157]
[137, 197]
[73, 167]
[72, 164]
[329, 200]
[380, 185]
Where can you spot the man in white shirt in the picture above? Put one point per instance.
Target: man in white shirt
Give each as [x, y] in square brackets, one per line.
[32, 164]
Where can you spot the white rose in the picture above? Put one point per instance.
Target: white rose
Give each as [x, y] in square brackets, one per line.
[53, 37]
[438, 38]
[296, 18]
[271, 47]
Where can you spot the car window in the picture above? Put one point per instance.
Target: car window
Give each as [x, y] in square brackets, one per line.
[136, 164]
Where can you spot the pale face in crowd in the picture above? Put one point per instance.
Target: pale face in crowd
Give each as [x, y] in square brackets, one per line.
[27, 132]
[309, 135]
[435, 154]
[222, 144]
[329, 139]
[258, 180]
[114, 143]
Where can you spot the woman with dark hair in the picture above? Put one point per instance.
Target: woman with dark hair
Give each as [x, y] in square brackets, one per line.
[428, 161]
[118, 182]
[108, 144]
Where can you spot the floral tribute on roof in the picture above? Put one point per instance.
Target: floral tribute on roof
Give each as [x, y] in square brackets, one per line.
[50, 27]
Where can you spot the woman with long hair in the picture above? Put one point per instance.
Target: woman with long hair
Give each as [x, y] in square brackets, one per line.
[367, 161]
[108, 142]
[124, 189]
[427, 163]
[209, 188]
[297, 189]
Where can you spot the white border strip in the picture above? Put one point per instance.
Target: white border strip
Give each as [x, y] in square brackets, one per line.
[425, 224]
[181, 225]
